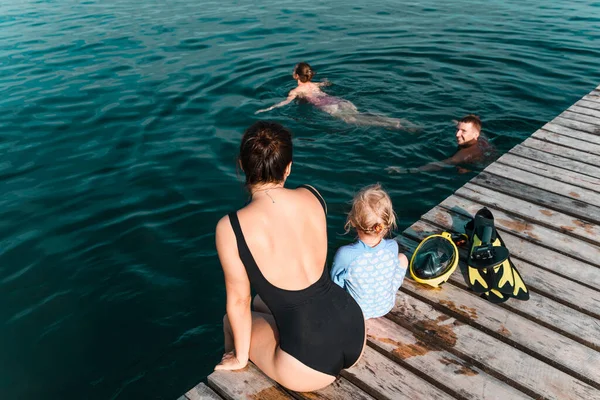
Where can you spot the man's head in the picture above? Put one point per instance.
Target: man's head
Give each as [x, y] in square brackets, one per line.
[468, 129]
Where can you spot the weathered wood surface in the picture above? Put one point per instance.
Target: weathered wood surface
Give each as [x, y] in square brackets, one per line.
[548, 199]
[575, 115]
[562, 151]
[562, 317]
[545, 344]
[536, 378]
[341, 389]
[529, 211]
[450, 371]
[526, 229]
[584, 112]
[384, 379]
[201, 392]
[580, 130]
[548, 184]
[558, 160]
[247, 383]
[550, 171]
[567, 141]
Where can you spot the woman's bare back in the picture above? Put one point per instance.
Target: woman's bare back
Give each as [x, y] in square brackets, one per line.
[287, 236]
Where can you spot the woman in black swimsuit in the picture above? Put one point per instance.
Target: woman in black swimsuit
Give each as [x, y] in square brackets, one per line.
[305, 329]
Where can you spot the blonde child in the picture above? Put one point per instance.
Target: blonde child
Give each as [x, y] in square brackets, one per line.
[371, 270]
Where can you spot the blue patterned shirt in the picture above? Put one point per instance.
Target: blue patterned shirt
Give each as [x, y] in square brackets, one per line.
[372, 275]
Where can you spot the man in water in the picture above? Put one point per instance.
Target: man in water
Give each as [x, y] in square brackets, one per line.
[472, 148]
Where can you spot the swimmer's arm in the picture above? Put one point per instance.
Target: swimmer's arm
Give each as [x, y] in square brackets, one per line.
[324, 83]
[237, 287]
[291, 96]
[432, 166]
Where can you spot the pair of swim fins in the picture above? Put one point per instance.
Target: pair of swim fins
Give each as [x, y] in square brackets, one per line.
[490, 271]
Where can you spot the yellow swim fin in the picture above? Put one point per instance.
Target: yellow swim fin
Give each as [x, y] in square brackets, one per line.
[476, 279]
[502, 278]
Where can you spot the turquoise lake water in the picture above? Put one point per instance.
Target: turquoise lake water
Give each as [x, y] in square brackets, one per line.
[120, 122]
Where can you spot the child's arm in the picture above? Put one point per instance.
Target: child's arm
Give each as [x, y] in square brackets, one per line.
[339, 269]
[324, 83]
[401, 268]
[291, 96]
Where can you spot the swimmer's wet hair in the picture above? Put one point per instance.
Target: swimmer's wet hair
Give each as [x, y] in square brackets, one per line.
[472, 119]
[265, 152]
[372, 211]
[304, 71]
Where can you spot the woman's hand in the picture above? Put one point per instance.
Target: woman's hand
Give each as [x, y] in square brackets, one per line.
[230, 362]
[264, 110]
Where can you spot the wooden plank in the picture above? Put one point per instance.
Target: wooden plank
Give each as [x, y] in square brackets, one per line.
[470, 382]
[202, 392]
[592, 105]
[576, 116]
[524, 371]
[591, 97]
[525, 229]
[341, 389]
[533, 212]
[551, 171]
[575, 192]
[567, 141]
[574, 129]
[247, 383]
[542, 197]
[384, 379]
[583, 111]
[557, 160]
[563, 353]
[561, 151]
[560, 317]
[579, 124]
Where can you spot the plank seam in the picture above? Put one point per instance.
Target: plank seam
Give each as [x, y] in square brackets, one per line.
[416, 371]
[541, 244]
[576, 120]
[549, 129]
[562, 144]
[526, 218]
[530, 317]
[575, 129]
[557, 155]
[585, 217]
[503, 339]
[373, 392]
[484, 367]
[584, 106]
[548, 163]
[502, 162]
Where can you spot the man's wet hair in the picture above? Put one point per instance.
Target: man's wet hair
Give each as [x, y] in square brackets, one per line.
[472, 119]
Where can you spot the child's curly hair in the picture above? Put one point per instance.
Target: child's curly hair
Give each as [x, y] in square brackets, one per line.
[372, 211]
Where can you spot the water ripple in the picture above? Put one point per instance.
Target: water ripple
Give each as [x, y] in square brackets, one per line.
[120, 123]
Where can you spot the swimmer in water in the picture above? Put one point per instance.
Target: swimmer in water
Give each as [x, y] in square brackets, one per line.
[335, 106]
[473, 149]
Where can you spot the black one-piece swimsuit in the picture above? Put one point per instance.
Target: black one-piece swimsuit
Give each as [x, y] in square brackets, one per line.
[322, 326]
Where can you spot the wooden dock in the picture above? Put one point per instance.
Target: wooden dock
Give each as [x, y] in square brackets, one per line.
[450, 343]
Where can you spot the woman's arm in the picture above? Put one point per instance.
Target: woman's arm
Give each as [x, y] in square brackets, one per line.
[291, 96]
[239, 297]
